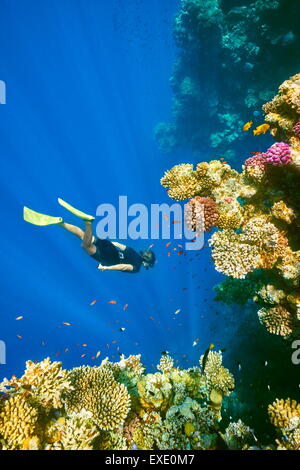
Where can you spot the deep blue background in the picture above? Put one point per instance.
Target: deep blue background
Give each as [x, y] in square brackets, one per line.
[87, 80]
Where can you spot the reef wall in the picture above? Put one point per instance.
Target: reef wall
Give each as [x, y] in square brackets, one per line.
[232, 56]
[257, 213]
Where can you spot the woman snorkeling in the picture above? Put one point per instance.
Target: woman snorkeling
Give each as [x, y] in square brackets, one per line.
[111, 256]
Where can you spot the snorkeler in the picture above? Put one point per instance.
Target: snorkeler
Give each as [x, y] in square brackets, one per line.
[112, 256]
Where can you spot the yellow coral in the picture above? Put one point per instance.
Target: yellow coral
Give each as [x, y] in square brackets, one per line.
[283, 111]
[76, 431]
[233, 257]
[218, 377]
[284, 413]
[46, 381]
[277, 320]
[155, 392]
[96, 390]
[166, 363]
[18, 422]
[282, 212]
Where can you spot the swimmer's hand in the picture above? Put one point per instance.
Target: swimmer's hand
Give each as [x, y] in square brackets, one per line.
[102, 268]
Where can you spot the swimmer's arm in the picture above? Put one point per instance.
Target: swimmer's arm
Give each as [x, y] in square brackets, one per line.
[116, 267]
[119, 245]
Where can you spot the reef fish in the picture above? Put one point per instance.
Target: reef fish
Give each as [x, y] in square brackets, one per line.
[247, 125]
[262, 129]
[205, 356]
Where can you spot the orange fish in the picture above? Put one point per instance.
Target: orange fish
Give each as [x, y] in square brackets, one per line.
[19, 336]
[165, 216]
[262, 129]
[114, 341]
[247, 126]
[98, 354]
[151, 318]
[177, 311]
[112, 302]
[66, 323]
[82, 355]
[168, 244]
[180, 253]
[176, 221]
[84, 345]
[93, 303]
[19, 318]
[169, 253]
[125, 306]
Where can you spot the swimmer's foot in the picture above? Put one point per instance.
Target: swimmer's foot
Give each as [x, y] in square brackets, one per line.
[42, 220]
[76, 212]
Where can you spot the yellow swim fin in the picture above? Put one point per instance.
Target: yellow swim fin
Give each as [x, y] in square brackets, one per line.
[74, 211]
[36, 218]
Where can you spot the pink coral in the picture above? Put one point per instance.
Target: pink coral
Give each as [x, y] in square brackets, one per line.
[279, 154]
[296, 128]
[258, 160]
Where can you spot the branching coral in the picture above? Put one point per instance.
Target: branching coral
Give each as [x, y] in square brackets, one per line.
[96, 390]
[18, 422]
[45, 380]
[238, 436]
[76, 431]
[218, 377]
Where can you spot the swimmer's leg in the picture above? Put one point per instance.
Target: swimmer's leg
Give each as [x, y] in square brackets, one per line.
[87, 237]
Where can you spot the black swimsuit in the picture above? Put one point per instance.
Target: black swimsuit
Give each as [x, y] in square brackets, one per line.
[109, 255]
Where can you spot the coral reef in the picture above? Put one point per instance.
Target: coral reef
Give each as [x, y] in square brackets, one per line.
[225, 42]
[171, 409]
[285, 416]
[258, 244]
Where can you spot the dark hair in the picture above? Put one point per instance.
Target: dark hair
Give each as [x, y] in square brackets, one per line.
[148, 257]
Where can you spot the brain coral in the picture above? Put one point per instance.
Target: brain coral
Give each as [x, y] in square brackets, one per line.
[96, 390]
